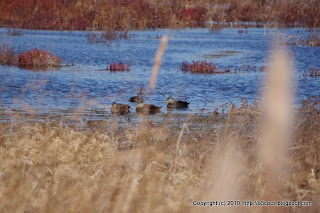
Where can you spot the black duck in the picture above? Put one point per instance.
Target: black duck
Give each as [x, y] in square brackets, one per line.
[137, 98]
[120, 109]
[147, 108]
[172, 104]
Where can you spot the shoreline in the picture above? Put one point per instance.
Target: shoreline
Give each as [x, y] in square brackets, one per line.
[227, 25]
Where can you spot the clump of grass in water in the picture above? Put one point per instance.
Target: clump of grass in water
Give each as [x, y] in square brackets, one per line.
[216, 28]
[34, 59]
[8, 56]
[311, 41]
[14, 32]
[201, 67]
[108, 36]
[38, 59]
[313, 72]
[118, 67]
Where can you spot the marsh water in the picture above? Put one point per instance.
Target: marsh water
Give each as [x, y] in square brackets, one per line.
[88, 86]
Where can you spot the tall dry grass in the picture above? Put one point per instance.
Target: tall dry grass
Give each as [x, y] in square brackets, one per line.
[8, 56]
[107, 167]
[151, 14]
[157, 62]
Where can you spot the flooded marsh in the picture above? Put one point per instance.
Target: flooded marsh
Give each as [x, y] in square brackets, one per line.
[249, 134]
[88, 83]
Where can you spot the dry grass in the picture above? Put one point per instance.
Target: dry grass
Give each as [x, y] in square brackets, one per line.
[313, 40]
[157, 61]
[8, 56]
[142, 14]
[105, 167]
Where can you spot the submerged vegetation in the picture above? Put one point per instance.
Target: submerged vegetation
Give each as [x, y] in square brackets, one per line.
[118, 67]
[201, 67]
[150, 14]
[313, 40]
[14, 32]
[312, 72]
[108, 36]
[205, 67]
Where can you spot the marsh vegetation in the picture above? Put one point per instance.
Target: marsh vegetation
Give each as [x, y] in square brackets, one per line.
[251, 134]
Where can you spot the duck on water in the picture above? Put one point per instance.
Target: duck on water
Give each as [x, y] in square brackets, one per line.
[147, 108]
[120, 109]
[173, 104]
[137, 98]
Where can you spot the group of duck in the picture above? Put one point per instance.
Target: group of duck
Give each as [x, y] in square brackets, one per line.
[122, 109]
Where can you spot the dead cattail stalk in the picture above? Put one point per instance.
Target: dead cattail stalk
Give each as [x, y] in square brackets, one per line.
[275, 128]
[226, 173]
[184, 126]
[157, 61]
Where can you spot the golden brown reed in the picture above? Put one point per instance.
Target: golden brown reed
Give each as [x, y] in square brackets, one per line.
[276, 126]
[157, 61]
[107, 167]
[225, 176]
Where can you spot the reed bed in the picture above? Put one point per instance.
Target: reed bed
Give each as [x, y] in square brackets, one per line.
[150, 14]
[313, 40]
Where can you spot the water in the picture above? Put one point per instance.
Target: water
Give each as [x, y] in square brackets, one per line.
[89, 86]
